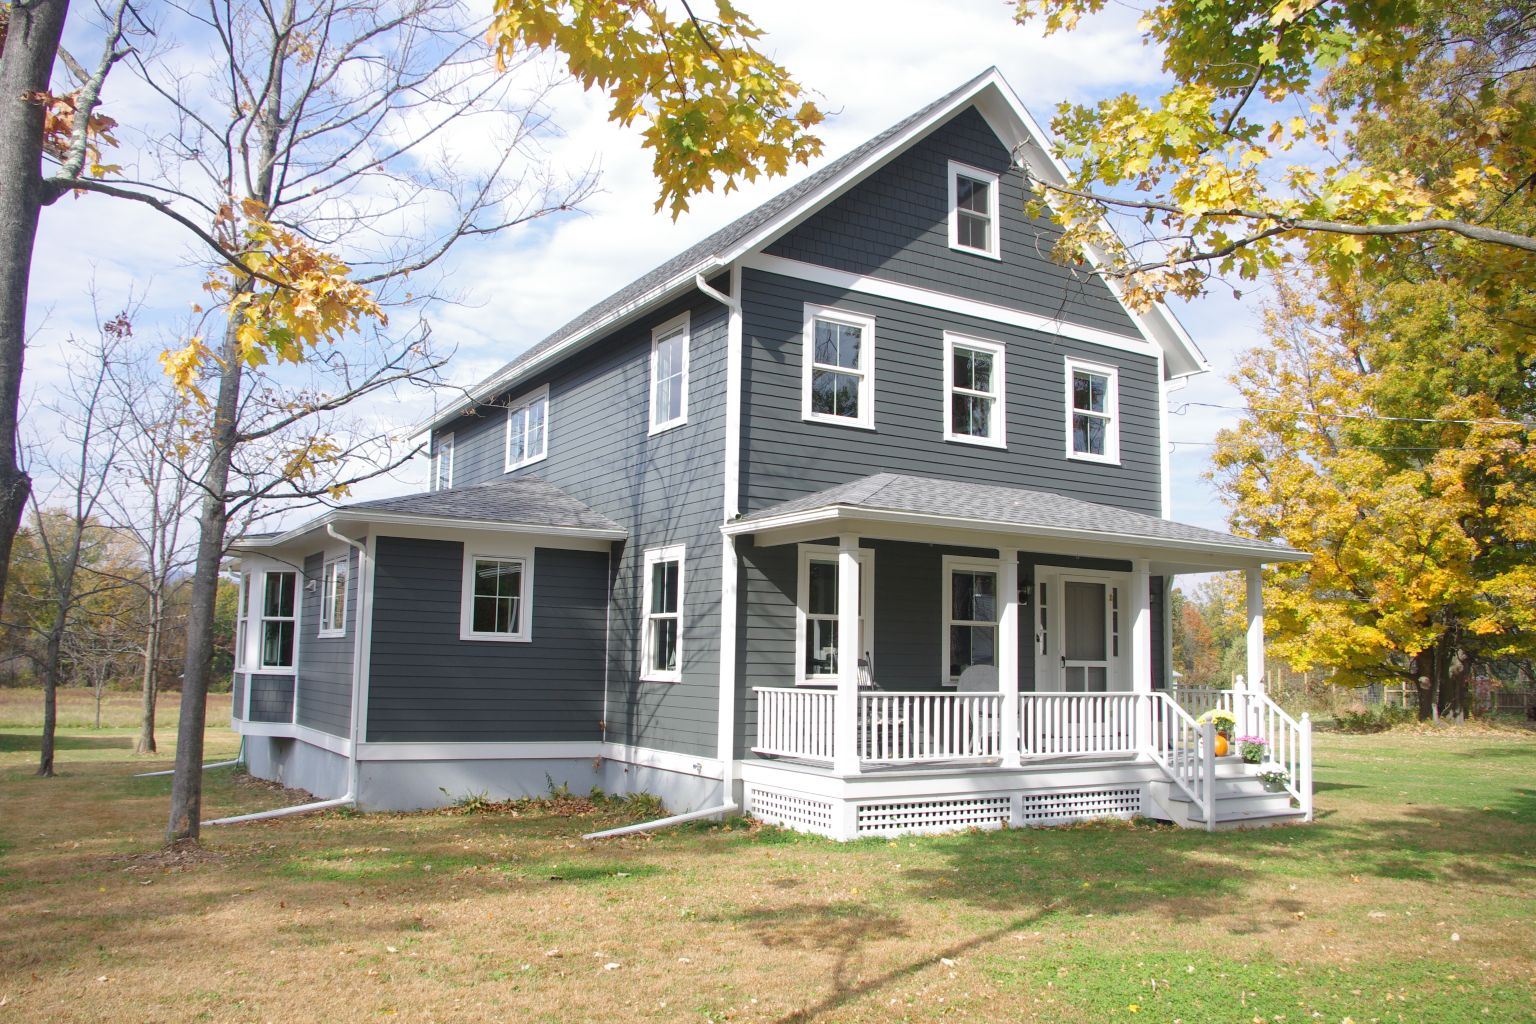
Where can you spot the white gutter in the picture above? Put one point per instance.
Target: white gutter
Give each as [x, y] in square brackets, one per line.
[362, 516]
[650, 826]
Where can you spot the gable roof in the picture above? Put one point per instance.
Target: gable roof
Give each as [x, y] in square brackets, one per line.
[995, 507]
[992, 96]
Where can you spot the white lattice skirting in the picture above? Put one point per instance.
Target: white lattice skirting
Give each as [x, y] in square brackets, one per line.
[914, 816]
[791, 810]
[1081, 805]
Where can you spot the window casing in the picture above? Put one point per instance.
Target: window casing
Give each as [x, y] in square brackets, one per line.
[279, 621]
[669, 374]
[242, 623]
[816, 641]
[661, 645]
[333, 596]
[973, 209]
[838, 368]
[528, 429]
[975, 391]
[497, 595]
[971, 611]
[442, 463]
[1093, 412]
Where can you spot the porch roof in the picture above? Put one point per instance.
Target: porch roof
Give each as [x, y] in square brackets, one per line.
[937, 509]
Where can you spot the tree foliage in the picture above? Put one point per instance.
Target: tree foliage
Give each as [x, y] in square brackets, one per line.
[1253, 159]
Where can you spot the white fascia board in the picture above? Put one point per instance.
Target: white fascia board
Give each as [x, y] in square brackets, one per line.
[844, 513]
[291, 730]
[341, 517]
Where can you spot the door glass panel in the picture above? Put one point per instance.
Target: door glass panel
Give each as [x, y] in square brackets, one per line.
[1075, 679]
[1098, 678]
[1085, 621]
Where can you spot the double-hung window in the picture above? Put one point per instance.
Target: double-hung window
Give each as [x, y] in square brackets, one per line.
[528, 429]
[973, 221]
[661, 654]
[816, 625]
[242, 622]
[497, 596]
[333, 597]
[1093, 419]
[975, 386]
[278, 619]
[669, 374]
[838, 377]
[442, 463]
[970, 623]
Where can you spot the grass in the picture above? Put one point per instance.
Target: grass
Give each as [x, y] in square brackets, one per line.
[1409, 900]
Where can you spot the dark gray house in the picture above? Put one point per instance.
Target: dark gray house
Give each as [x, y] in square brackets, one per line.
[852, 515]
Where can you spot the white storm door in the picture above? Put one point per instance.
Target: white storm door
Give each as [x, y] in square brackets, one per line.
[1083, 635]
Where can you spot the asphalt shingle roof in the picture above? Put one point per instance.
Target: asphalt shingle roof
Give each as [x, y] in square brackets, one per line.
[1007, 506]
[525, 500]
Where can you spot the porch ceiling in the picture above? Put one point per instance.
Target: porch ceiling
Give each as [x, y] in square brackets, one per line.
[925, 510]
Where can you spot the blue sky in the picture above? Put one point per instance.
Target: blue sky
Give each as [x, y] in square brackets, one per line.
[871, 63]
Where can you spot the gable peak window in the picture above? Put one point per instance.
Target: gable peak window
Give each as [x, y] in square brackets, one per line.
[973, 210]
[662, 603]
[669, 374]
[1093, 412]
[442, 463]
[497, 596]
[975, 390]
[528, 429]
[838, 379]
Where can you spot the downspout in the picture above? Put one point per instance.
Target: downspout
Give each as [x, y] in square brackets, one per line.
[729, 563]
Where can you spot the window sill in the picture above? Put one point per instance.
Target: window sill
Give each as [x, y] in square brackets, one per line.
[331, 634]
[1100, 460]
[662, 428]
[985, 253]
[672, 678]
[977, 442]
[838, 421]
[274, 670]
[525, 463]
[495, 638]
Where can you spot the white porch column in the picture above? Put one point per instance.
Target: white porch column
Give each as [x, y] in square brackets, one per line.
[1139, 609]
[1255, 579]
[1008, 653]
[845, 754]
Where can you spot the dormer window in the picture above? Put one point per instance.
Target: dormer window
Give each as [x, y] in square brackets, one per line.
[973, 225]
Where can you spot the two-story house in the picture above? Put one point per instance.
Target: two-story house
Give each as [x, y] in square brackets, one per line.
[852, 515]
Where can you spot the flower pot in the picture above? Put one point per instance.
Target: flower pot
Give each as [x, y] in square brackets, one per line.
[1273, 787]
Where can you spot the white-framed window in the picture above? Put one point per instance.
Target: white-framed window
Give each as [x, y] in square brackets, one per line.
[973, 221]
[442, 463]
[1093, 412]
[279, 621]
[333, 596]
[838, 367]
[971, 610]
[528, 429]
[816, 640]
[669, 374]
[975, 391]
[497, 595]
[661, 637]
[242, 622]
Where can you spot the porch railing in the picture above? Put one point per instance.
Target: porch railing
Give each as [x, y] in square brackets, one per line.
[1288, 741]
[1075, 724]
[896, 728]
[795, 723]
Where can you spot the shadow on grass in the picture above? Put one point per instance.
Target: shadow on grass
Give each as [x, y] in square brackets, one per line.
[11, 742]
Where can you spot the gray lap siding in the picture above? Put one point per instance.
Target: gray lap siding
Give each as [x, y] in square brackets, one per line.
[665, 489]
[427, 685]
[785, 457]
[271, 698]
[325, 663]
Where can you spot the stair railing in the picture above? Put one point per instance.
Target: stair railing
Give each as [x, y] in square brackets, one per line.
[1185, 750]
[1288, 743]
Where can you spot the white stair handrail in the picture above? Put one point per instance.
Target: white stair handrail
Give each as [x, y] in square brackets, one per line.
[1288, 742]
[1185, 750]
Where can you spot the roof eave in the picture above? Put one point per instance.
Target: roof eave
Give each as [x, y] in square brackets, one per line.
[342, 516]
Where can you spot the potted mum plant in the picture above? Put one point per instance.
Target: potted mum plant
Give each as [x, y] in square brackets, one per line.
[1225, 725]
[1253, 749]
[1274, 780]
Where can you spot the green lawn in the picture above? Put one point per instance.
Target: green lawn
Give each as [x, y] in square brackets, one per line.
[1412, 898]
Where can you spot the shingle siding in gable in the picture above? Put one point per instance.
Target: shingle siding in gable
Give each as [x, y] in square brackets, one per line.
[895, 225]
[325, 663]
[664, 489]
[784, 457]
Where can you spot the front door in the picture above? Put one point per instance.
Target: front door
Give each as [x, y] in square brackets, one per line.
[1077, 634]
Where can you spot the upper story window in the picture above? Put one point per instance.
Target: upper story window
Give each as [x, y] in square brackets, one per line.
[662, 637]
[278, 607]
[442, 463]
[528, 429]
[333, 597]
[669, 374]
[973, 220]
[975, 391]
[496, 602]
[1093, 412]
[838, 375]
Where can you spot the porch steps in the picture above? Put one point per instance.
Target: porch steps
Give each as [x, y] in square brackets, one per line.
[1241, 800]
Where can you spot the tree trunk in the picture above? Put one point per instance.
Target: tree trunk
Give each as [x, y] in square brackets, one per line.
[212, 520]
[146, 741]
[50, 699]
[26, 65]
[1424, 673]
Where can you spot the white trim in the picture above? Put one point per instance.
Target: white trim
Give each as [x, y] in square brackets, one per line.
[999, 394]
[645, 757]
[501, 553]
[1111, 415]
[527, 402]
[1116, 665]
[654, 556]
[441, 447]
[865, 371]
[290, 730]
[243, 618]
[828, 553]
[993, 247]
[943, 302]
[664, 332]
[363, 646]
[409, 525]
[949, 565]
[332, 631]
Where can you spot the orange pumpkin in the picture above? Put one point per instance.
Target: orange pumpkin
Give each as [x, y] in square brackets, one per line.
[1222, 746]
